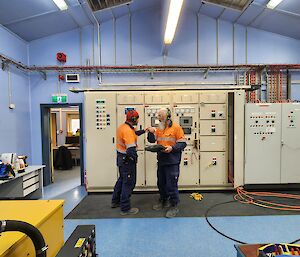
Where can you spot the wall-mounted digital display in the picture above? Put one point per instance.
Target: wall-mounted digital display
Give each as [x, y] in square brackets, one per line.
[185, 121]
[154, 122]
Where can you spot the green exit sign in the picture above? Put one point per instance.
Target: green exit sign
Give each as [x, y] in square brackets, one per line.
[59, 98]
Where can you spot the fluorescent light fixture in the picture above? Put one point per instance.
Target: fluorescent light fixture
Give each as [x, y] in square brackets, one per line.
[273, 3]
[173, 17]
[61, 4]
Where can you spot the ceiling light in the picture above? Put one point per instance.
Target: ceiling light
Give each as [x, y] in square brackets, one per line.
[273, 3]
[173, 17]
[61, 4]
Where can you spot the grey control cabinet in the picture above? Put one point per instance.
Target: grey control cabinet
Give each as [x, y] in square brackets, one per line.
[272, 143]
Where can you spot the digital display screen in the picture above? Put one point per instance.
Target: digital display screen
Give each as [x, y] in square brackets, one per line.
[154, 122]
[186, 121]
[72, 77]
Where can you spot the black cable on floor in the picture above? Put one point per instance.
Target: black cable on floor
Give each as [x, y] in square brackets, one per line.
[221, 233]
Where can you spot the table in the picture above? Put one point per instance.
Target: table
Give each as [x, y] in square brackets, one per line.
[28, 184]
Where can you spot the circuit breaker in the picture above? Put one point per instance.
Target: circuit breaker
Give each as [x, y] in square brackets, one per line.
[262, 143]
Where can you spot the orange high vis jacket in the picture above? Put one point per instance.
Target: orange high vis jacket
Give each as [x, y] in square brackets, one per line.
[126, 138]
[170, 136]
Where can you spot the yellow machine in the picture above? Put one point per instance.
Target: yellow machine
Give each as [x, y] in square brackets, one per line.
[45, 215]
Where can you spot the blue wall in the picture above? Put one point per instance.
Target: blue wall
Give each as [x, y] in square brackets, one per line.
[14, 124]
[234, 44]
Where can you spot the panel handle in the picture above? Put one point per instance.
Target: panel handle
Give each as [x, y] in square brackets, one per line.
[113, 140]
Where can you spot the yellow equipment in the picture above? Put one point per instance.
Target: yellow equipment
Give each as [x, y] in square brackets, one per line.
[46, 215]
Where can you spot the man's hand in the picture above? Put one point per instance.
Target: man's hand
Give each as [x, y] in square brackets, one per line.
[168, 149]
[150, 129]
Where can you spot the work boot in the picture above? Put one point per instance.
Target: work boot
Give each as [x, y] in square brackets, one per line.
[132, 211]
[115, 205]
[161, 205]
[172, 212]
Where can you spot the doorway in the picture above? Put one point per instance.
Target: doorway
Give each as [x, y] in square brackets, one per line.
[62, 145]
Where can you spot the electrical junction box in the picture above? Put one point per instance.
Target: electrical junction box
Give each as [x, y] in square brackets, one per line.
[72, 78]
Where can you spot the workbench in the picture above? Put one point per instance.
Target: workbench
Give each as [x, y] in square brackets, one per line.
[28, 184]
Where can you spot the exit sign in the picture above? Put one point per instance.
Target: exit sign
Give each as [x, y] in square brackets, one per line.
[59, 98]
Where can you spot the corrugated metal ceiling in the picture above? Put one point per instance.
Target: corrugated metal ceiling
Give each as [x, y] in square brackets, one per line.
[32, 19]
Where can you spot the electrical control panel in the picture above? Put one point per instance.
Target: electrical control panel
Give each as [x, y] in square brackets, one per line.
[212, 166]
[100, 140]
[213, 138]
[189, 167]
[187, 117]
[102, 118]
[262, 143]
[290, 152]
[203, 116]
[213, 111]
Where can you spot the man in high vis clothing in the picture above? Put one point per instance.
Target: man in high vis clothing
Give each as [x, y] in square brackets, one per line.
[126, 161]
[170, 135]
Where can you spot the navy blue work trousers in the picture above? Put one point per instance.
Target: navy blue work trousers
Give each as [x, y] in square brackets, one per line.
[125, 185]
[167, 183]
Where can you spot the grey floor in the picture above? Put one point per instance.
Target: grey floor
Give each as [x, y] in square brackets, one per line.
[64, 180]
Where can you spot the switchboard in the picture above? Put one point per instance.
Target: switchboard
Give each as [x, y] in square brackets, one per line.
[203, 116]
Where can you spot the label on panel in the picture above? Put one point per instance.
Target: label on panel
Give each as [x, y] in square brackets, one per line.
[212, 143]
[130, 98]
[189, 167]
[290, 154]
[157, 98]
[100, 130]
[185, 97]
[121, 118]
[213, 97]
[213, 127]
[213, 168]
[262, 143]
[213, 111]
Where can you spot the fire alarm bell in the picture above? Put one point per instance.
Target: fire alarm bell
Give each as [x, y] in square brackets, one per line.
[61, 57]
